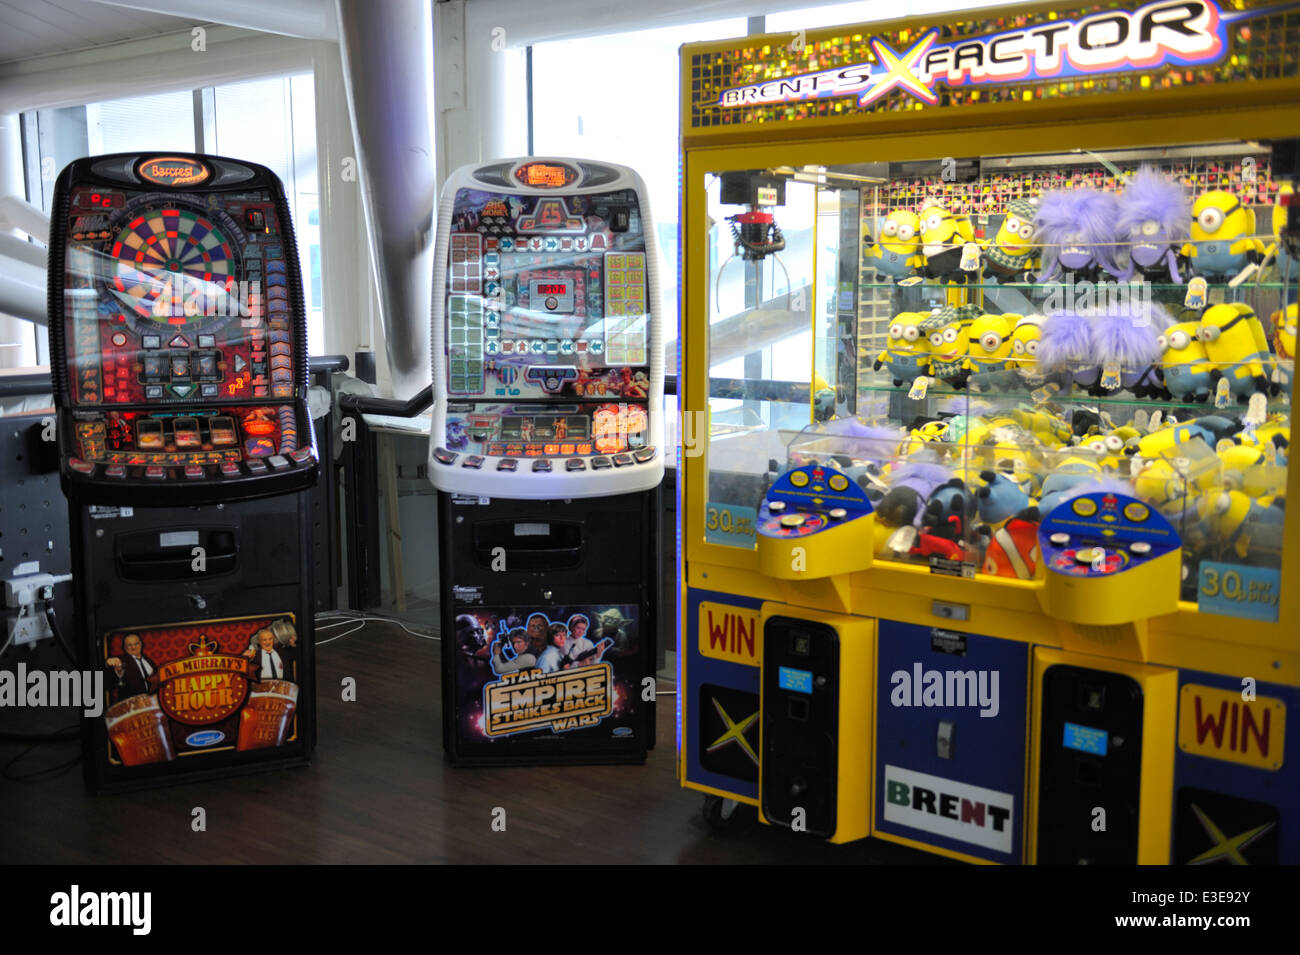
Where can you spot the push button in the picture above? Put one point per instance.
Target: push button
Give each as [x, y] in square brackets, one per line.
[278, 462]
[194, 471]
[80, 466]
[255, 467]
[115, 471]
[542, 465]
[507, 464]
[230, 469]
[303, 456]
[622, 460]
[155, 473]
[472, 461]
[643, 455]
[600, 463]
[443, 456]
[575, 464]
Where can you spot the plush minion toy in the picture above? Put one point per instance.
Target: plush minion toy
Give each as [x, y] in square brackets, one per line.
[1184, 365]
[1223, 236]
[1076, 231]
[943, 236]
[1012, 255]
[1025, 338]
[1284, 329]
[1237, 349]
[907, 351]
[948, 330]
[896, 251]
[989, 353]
[1153, 221]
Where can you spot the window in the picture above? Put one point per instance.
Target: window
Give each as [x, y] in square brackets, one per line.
[266, 121]
[634, 124]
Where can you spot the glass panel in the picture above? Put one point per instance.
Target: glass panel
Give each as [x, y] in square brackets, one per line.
[991, 338]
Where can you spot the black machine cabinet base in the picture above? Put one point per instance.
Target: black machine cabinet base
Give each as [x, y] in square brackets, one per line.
[200, 619]
[549, 623]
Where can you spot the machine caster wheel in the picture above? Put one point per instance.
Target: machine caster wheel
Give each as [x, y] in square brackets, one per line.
[719, 812]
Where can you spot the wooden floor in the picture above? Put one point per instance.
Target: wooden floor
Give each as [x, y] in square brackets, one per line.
[378, 791]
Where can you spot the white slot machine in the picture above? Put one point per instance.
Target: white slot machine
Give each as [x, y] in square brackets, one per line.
[547, 446]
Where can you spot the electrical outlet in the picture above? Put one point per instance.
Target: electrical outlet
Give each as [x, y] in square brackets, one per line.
[28, 627]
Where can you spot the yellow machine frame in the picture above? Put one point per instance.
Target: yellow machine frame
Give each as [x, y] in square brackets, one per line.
[1012, 609]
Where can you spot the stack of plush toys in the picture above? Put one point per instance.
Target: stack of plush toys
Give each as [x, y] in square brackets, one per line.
[972, 486]
[971, 483]
[1150, 230]
[1134, 347]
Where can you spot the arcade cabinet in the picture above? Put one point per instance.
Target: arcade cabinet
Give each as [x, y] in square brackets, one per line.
[179, 347]
[989, 432]
[547, 453]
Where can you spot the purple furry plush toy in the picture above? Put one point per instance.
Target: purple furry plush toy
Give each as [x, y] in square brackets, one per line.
[911, 484]
[1104, 351]
[1076, 228]
[1153, 218]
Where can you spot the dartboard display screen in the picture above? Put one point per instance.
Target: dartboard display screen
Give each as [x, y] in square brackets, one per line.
[182, 328]
[176, 297]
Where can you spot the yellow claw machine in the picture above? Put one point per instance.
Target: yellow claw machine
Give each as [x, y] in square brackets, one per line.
[987, 344]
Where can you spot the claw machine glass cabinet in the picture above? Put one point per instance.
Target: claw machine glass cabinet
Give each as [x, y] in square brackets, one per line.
[988, 346]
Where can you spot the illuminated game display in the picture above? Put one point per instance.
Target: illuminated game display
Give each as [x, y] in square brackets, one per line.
[179, 350]
[988, 334]
[543, 333]
[547, 446]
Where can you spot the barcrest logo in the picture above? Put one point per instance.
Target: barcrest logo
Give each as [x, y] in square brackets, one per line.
[173, 171]
[1181, 32]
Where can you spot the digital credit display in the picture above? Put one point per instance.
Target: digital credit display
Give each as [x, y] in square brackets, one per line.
[547, 175]
[552, 295]
[1086, 739]
[800, 681]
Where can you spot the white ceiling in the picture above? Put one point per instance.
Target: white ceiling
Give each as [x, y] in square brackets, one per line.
[39, 27]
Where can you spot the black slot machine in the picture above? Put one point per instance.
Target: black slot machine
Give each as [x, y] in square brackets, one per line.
[547, 451]
[179, 355]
